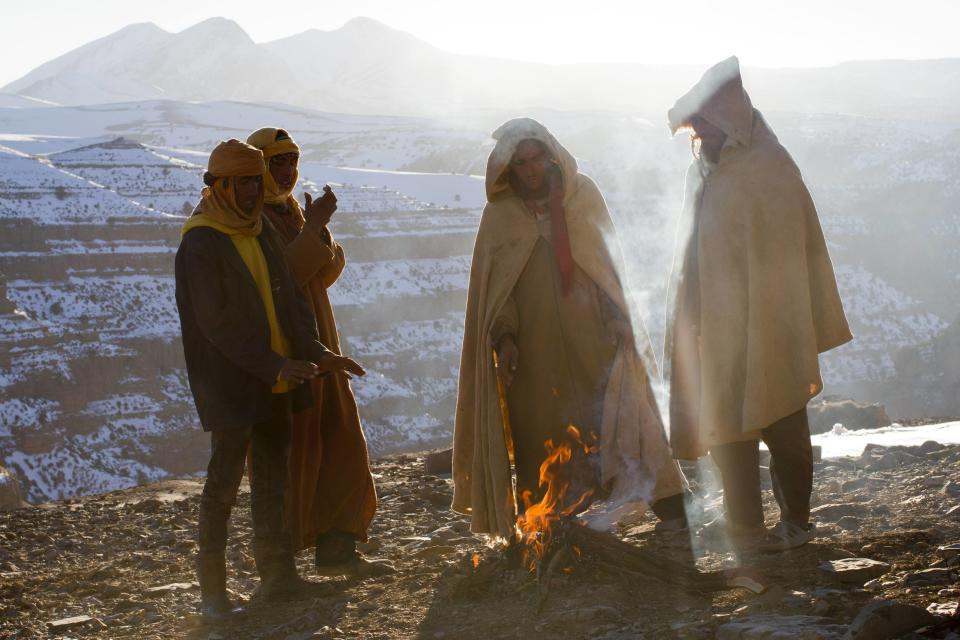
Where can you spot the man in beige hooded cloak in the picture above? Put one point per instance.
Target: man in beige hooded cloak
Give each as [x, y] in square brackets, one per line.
[548, 295]
[753, 301]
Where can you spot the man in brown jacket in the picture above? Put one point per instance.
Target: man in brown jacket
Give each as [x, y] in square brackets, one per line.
[753, 302]
[250, 343]
[331, 500]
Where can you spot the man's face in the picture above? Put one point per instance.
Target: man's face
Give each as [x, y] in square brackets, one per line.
[283, 169]
[711, 138]
[247, 190]
[529, 164]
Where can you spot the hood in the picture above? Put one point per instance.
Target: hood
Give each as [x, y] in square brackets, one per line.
[508, 136]
[719, 98]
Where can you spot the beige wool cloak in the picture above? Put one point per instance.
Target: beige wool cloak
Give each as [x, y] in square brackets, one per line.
[753, 298]
[632, 433]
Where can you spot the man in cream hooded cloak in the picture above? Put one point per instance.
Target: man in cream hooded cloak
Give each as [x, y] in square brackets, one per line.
[548, 278]
[753, 301]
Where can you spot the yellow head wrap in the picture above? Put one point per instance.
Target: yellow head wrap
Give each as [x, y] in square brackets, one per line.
[274, 142]
[219, 202]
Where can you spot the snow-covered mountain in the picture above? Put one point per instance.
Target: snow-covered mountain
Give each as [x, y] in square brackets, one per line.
[214, 59]
[367, 67]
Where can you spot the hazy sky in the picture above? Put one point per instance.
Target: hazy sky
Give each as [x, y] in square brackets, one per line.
[766, 33]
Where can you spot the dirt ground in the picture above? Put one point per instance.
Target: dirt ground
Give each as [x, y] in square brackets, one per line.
[124, 560]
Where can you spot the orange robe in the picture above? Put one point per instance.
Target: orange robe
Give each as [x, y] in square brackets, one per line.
[330, 483]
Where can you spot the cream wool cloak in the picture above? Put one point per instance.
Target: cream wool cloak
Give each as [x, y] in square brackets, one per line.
[753, 298]
[635, 457]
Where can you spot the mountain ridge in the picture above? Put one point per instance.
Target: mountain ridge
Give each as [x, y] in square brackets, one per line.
[368, 67]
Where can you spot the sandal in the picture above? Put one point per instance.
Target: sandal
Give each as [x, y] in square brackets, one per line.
[720, 533]
[785, 536]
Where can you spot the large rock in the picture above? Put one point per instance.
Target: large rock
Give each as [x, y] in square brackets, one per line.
[855, 570]
[887, 619]
[928, 576]
[851, 414]
[11, 496]
[832, 512]
[772, 627]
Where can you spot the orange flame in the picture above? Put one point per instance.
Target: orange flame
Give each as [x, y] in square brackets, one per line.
[535, 526]
[476, 560]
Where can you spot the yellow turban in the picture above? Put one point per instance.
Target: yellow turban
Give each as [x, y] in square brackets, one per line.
[235, 158]
[219, 202]
[274, 142]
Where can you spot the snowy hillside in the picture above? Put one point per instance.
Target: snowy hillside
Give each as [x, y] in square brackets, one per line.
[136, 173]
[187, 131]
[25, 185]
[93, 394]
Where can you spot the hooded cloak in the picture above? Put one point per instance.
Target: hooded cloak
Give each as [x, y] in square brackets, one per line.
[753, 299]
[632, 432]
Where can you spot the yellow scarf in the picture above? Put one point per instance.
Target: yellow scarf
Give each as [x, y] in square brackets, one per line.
[248, 246]
[265, 140]
[219, 203]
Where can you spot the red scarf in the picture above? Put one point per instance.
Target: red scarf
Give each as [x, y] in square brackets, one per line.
[559, 235]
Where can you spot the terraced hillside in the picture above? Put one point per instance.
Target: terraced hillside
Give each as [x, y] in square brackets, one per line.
[93, 392]
[92, 388]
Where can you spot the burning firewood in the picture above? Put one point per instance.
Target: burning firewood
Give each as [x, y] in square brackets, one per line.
[551, 540]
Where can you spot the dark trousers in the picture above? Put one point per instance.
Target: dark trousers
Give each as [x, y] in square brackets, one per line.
[269, 444]
[791, 470]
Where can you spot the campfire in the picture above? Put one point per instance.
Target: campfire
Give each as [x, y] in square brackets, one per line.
[541, 521]
[552, 541]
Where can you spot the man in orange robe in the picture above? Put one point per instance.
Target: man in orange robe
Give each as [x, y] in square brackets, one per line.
[331, 498]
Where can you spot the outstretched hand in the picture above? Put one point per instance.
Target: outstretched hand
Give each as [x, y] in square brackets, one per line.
[318, 212]
[332, 363]
[296, 372]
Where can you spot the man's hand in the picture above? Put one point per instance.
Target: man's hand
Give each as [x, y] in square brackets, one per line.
[318, 212]
[620, 332]
[332, 363]
[508, 359]
[296, 372]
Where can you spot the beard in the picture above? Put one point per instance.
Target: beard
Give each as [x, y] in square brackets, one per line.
[527, 193]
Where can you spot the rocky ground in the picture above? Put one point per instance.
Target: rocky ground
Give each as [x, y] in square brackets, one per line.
[118, 565]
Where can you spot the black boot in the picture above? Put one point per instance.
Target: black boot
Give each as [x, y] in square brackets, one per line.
[336, 555]
[278, 570]
[215, 606]
[334, 548]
